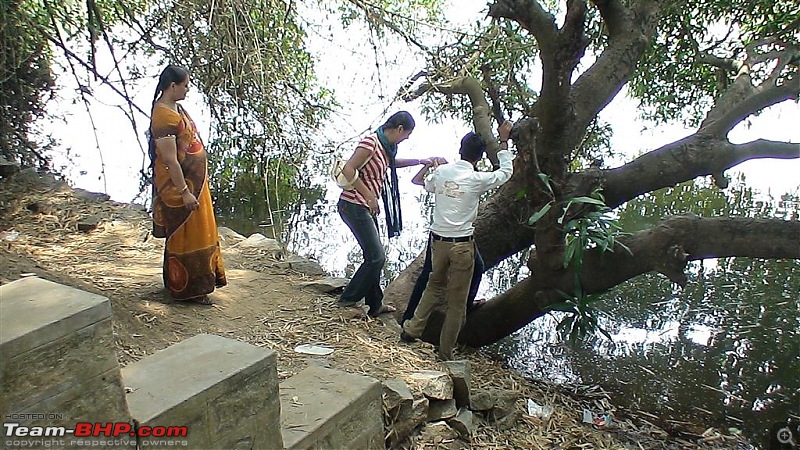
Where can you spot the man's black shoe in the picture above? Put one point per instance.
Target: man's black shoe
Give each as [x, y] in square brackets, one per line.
[405, 337]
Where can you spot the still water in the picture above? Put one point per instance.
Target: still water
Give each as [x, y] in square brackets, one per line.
[722, 352]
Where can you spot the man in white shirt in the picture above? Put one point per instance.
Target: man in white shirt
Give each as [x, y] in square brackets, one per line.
[458, 188]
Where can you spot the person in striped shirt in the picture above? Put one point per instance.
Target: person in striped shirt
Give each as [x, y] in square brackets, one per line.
[372, 172]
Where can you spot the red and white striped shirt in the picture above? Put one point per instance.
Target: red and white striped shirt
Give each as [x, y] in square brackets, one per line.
[372, 174]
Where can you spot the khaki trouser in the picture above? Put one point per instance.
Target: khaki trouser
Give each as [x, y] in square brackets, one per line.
[449, 281]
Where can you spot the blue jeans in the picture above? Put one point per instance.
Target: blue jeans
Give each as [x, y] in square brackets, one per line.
[422, 281]
[366, 282]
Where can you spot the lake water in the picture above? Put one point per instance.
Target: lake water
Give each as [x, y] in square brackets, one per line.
[723, 352]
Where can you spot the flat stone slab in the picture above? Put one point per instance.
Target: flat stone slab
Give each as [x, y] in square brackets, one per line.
[34, 312]
[326, 408]
[223, 390]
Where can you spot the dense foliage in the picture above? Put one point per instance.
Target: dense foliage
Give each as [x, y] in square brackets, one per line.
[25, 80]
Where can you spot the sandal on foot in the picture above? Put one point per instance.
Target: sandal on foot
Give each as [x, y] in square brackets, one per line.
[202, 300]
[384, 309]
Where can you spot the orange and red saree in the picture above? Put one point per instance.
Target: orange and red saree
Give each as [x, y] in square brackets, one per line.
[192, 262]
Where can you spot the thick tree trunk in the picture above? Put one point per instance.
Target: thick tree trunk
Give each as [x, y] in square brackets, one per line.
[665, 248]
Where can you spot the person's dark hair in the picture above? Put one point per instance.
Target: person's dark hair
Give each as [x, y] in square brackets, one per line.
[472, 147]
[170, 74]
[403, 118]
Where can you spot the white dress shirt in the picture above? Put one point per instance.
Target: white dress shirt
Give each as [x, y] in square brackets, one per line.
[458, 188]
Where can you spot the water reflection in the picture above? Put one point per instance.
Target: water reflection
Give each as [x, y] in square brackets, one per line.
[724, 351]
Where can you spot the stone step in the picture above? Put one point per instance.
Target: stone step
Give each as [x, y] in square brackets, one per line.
[58, 364]
[329, 409]
[224, 391]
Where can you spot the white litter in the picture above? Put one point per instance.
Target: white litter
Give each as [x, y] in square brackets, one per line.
[537, 410]
[310, 349]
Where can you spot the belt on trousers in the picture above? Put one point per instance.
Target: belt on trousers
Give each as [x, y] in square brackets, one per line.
[436, 237]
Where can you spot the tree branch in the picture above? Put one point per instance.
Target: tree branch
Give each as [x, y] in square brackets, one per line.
[665, 248]
[593, 90]
[615, 17]
[727, 114]
[481, 111]
[684, 160]
[533, 17]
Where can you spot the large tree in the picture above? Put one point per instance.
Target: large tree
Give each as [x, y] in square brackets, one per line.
[712, 64]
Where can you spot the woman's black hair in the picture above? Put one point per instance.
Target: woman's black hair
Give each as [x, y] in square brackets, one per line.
[170, 74]
[403, 118]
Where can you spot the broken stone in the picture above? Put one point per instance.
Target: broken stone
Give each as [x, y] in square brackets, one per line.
[402, 415]
[481, 401]
[441, 409]
[396, 394]
[420, 410]
[462, 423]
[90, 223]
[302, 265]
[460, 373]
[504, 404]
[432, 383]
[261, 242]
[438, 432]
[91, 196]
[228, 236]
[7, 168]
[508, 421]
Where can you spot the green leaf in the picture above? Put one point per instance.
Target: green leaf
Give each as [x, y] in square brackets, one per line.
[589, 200]
[539, 214]
[546, 181]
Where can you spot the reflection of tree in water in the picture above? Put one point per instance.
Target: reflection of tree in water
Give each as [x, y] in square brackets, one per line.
[724, 351]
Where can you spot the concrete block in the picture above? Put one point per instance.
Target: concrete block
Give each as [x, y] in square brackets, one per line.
[61, 365]
[34, 312]
[224, 391]
[58, 365]
[329, 409]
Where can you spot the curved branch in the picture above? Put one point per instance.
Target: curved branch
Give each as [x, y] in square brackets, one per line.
[664, 248]
[596, 88]
[727, 64]
[481, 111]
[721, 124]
[615, 16]
[533, 17]
[684, 160]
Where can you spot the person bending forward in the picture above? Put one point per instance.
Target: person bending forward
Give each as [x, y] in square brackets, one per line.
[457, 188]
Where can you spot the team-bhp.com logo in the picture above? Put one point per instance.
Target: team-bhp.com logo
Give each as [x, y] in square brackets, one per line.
[89, 429]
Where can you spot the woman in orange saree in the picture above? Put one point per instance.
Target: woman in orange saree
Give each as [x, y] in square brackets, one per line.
[182, 208]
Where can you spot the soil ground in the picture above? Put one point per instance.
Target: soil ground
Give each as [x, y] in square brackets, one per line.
[266, 305]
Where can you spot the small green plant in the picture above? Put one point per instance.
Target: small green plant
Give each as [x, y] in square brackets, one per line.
[593, 227]
[583, 317]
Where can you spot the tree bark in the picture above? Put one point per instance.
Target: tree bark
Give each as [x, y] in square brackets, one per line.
[665, 248]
